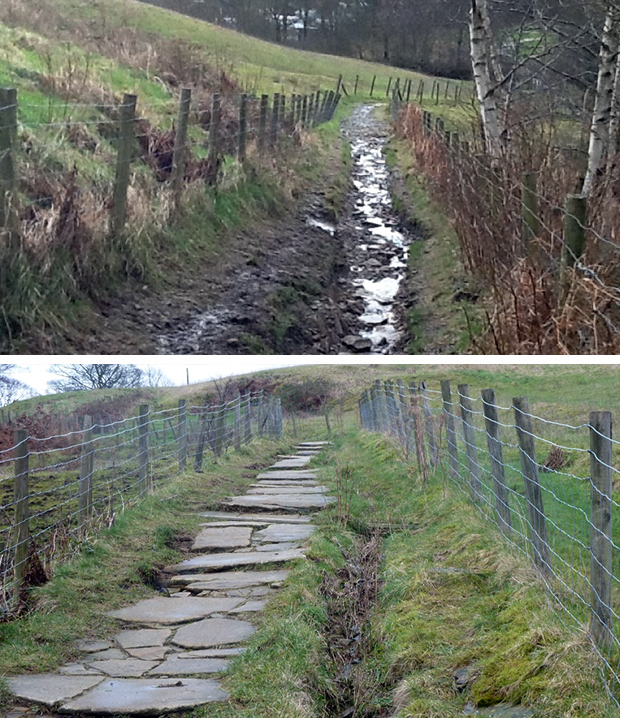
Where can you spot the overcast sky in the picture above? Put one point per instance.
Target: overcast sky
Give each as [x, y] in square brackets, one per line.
[34, 371]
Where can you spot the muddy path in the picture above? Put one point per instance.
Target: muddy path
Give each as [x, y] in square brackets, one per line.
[298, 284]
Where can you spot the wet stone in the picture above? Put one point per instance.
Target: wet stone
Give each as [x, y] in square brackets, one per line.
[177, 666]
[141, 637]
[145, 696]
[125, 668]
[50, 688]
[213, 632]
[218, 538]
[233, 579]
[284, 532]
[216, 561]
[168, 610]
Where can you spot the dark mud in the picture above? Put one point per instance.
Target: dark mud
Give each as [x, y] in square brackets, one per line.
[297, 284]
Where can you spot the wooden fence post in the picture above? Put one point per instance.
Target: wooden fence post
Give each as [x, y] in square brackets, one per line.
[469, 435]
[262, 124]
[9, 217]
[282, 113]
[601, 626]
[219, 426]
[143, 453]
[428, 419]
[85, 498]
[372, 84]
[530, 214]
[339, 85]
[533, 495]
[420, 95]
[575, 219]
[127, 118]
[389, 87]
[180, 146]
[273, 128]
[243, 127]
[418, 433]
[237, 434]
[21, 495]
[247, 418]
[182, 435]
[214, 130]
[498, 472]
[202, 438]
[448, 410]
[357, 82]
[409, 90]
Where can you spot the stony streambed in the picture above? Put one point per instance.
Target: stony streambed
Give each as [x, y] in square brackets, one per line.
[378, 244]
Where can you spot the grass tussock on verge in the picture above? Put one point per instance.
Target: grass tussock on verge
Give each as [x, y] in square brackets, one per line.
[109, 568]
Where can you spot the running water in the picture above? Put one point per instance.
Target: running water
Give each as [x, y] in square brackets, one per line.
[381, 247]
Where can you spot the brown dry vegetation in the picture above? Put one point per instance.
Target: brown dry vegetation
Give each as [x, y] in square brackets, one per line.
[530, 308]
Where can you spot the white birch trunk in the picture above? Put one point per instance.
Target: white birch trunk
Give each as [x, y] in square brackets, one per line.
[486, 87]
[614, 122]
[601, 117]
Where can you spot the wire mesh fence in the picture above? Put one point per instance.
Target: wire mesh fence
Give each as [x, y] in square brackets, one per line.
[57, 489]
[546, 485]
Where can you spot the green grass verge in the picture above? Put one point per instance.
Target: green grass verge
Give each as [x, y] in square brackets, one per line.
[443, 319]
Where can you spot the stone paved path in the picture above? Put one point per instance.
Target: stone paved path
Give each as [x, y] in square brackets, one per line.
[168, 648]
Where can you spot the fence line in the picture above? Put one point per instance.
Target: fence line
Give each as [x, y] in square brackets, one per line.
[58, 488]
[564, 521]
[173, 155]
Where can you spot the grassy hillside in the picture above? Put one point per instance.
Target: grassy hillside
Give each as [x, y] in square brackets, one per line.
[113, 26]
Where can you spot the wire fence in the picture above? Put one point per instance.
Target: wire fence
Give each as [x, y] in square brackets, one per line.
[55, 490]
[559, 511]
[549, 256]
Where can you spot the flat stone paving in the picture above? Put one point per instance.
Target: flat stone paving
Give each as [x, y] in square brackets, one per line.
[144, 668]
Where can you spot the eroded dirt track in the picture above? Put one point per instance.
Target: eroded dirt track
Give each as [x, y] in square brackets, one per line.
[299, 284]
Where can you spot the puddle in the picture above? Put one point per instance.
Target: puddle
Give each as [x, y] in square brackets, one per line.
[381, 246]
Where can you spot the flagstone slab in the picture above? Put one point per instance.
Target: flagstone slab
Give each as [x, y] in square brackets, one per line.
[217, 561]
[179, 610]
[142, 637]
[279, 475]
[284, 532]
[150, 653]
[277, 546]
[225, 524]
[290, 483]
[281, 501]
[250, 607]
[291, 463]
[212, 653]
[50, 688]
[78, 669]
[232, 579]
[213, 632]
[111, 654]
[315, 443]
[89, 646]
[145, 696]
[274, 518]
[286, 490]
[174, 666]
[124, 668]
[233, 537]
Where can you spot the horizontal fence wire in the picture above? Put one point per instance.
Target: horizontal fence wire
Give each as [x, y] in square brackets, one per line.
[545, 484]
[57, 490]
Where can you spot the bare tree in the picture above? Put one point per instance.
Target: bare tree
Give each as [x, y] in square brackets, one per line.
[85, 377]
[12, 389]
